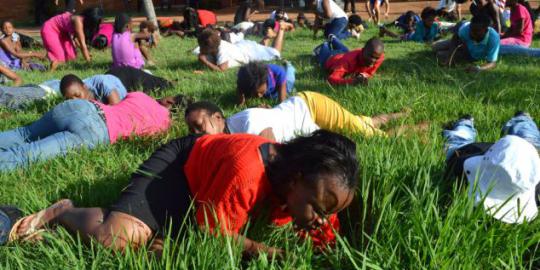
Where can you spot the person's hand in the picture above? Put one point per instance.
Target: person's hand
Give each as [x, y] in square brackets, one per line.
[473, 69]
[286, 26]
[264, 106]
[40, 55]
[198, 72]
[361, 79]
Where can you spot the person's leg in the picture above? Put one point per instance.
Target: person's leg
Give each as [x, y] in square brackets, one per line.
[322, 53]
[18, 97]
[338, 46]
[353, 6]
[522, 125]
[513, 41]
[336, 27]
[383, 31]
[461, 134]
[145, 51]
[383, 119]
[377, 11]
[519, 50]
[441, 45]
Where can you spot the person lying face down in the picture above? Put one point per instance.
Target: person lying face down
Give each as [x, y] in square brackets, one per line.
[297, 115]
[261, 80]
[107, 89]
[306, 181]
[78, 123]
[341, 63]
[503, 176]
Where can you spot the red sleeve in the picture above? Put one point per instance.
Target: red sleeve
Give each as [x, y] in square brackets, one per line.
[337, 77]
[368, 72]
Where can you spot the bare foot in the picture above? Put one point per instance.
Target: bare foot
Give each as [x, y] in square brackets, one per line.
[44, 217]
[54, 65]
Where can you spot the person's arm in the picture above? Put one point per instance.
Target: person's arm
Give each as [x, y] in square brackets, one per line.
[204, 60]
[18, 54]
[11, 75]
[282, 94]
[113, 98]
[79, 35]
[268, 133]
[484, 67]
[337, 77]
[326, 9]
[241, 99]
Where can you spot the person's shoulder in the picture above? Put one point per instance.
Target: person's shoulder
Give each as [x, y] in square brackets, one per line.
[463, 31]
[493, 35]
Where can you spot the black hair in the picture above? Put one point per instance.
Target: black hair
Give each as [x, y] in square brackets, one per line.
[301, 15]
[374, 43]
[69, 80]
[428, 12]
[279, 11]
[355, 20]
[322, 152]
[250, 77]
[4, 22]
[147, 25]
[409, 15]
[100, 42]
[461, 1]
[209, 40]
[191, 19]
[268, 23]
[181, 102]
[208, 106]
[481, 20]
[120, 22]
[92, 18]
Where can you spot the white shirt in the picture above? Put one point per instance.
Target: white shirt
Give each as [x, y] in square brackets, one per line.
[449, 5]
[232, 54]
[335, 10]
[287, 120]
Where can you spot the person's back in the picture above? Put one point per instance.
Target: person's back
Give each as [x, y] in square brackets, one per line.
[124, 51]
[103, 85]
[487, 49]
[137, 114]
[61, 23]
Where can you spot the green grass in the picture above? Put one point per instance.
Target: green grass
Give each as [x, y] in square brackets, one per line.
[418, 219]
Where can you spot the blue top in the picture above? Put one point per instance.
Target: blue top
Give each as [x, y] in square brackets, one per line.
[276, 77]
[402, 23]
[421, 34]
[100, 85]
[487, 49]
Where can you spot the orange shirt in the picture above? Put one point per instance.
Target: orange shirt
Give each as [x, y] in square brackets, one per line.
[226, 176]
[340, 66]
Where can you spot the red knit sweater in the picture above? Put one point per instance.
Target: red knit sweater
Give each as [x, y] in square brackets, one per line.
[345, 64]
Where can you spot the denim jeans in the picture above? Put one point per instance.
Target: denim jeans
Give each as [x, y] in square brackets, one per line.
[464, 133]
[18, 97]
[291, 77]
[70, 125]
[329, 49]
[519, 50]
[337, 27]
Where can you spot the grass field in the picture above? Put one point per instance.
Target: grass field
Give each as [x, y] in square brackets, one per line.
[419, 220]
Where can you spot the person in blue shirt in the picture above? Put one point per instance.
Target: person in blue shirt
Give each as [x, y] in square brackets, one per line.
[426, 30]
[260, 80]
[474, 41]
[107, 89]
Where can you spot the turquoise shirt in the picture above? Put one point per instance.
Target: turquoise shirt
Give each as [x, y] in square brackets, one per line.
[421, 34]
[487, 49]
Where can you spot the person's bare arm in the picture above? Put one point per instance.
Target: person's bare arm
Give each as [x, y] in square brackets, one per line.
[79, 35]
[326, 9]
[204, 60]
[252, 248]
[484, 67]
[113, 98]
[11, 75]
[282, 94]
[268, 133]
[19, 54]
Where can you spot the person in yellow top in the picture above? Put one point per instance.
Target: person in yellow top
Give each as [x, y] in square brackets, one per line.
[298, 115]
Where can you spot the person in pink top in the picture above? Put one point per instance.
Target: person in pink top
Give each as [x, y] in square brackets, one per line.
[58, 33]
[103, 38]
[78, 123]
[125, 52]
[521, 27]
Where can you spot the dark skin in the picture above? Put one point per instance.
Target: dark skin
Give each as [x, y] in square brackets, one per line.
[428, 22]
[80, 91]
[478, 33]
[282, 93]
[11, 75]
[370, 55]
[15, 48]
[516, 28]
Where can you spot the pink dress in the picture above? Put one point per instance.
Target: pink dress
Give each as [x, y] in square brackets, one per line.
[137, 114]
[107, 30]
[520, 13]
[124, 51]
[57, 38]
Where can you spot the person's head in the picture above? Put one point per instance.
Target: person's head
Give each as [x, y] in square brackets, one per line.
[268, 28]
[251, 81]
[356, 23]
[428, 16]
[72, 87]
[147, 27]
[7, 28]
[92, 18]
[209, 41]
[410, 17]
[175, 103]
[373, 50]
[280, 14]
[479, 27]
[315, 176]
[204, 117]
[100, 42]
[122, 23]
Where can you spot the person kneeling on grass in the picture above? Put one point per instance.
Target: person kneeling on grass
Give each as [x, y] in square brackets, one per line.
[307, 181]
[426, 30]
[474, 41]
[502, 176]
[83, 123]
[219, 55]
[298, 115]
[125, 52]
[341, 63]
[258, 80]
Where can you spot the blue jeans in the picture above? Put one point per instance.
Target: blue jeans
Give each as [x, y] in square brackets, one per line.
[70, 125]
[291, 77]
[519, 50]
[18, 97]
[337, 27]
[329, 49]
[464, 133]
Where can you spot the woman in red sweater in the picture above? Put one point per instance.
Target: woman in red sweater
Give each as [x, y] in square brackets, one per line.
[307, 180]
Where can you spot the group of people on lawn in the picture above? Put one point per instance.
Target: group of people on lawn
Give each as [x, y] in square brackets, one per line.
[293, 157]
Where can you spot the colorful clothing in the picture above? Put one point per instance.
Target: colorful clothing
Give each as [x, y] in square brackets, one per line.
[520, 13]
[138, 114]
[57, 35]
[102, 87]
[277, 75]
[487, 49]
[124, 51]
[350, 63]
[421, 34]
[107, 30]
[206, 17]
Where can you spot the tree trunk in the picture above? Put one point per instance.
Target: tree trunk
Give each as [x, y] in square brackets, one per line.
[150, 12]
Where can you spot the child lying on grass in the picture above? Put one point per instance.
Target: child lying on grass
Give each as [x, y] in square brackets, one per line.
[502, 176]
[258, 80]
[342, 63]
[306, 181]
[426, 30]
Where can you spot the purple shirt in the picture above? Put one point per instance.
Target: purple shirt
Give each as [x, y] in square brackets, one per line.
[276, 77]
[124, 51]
